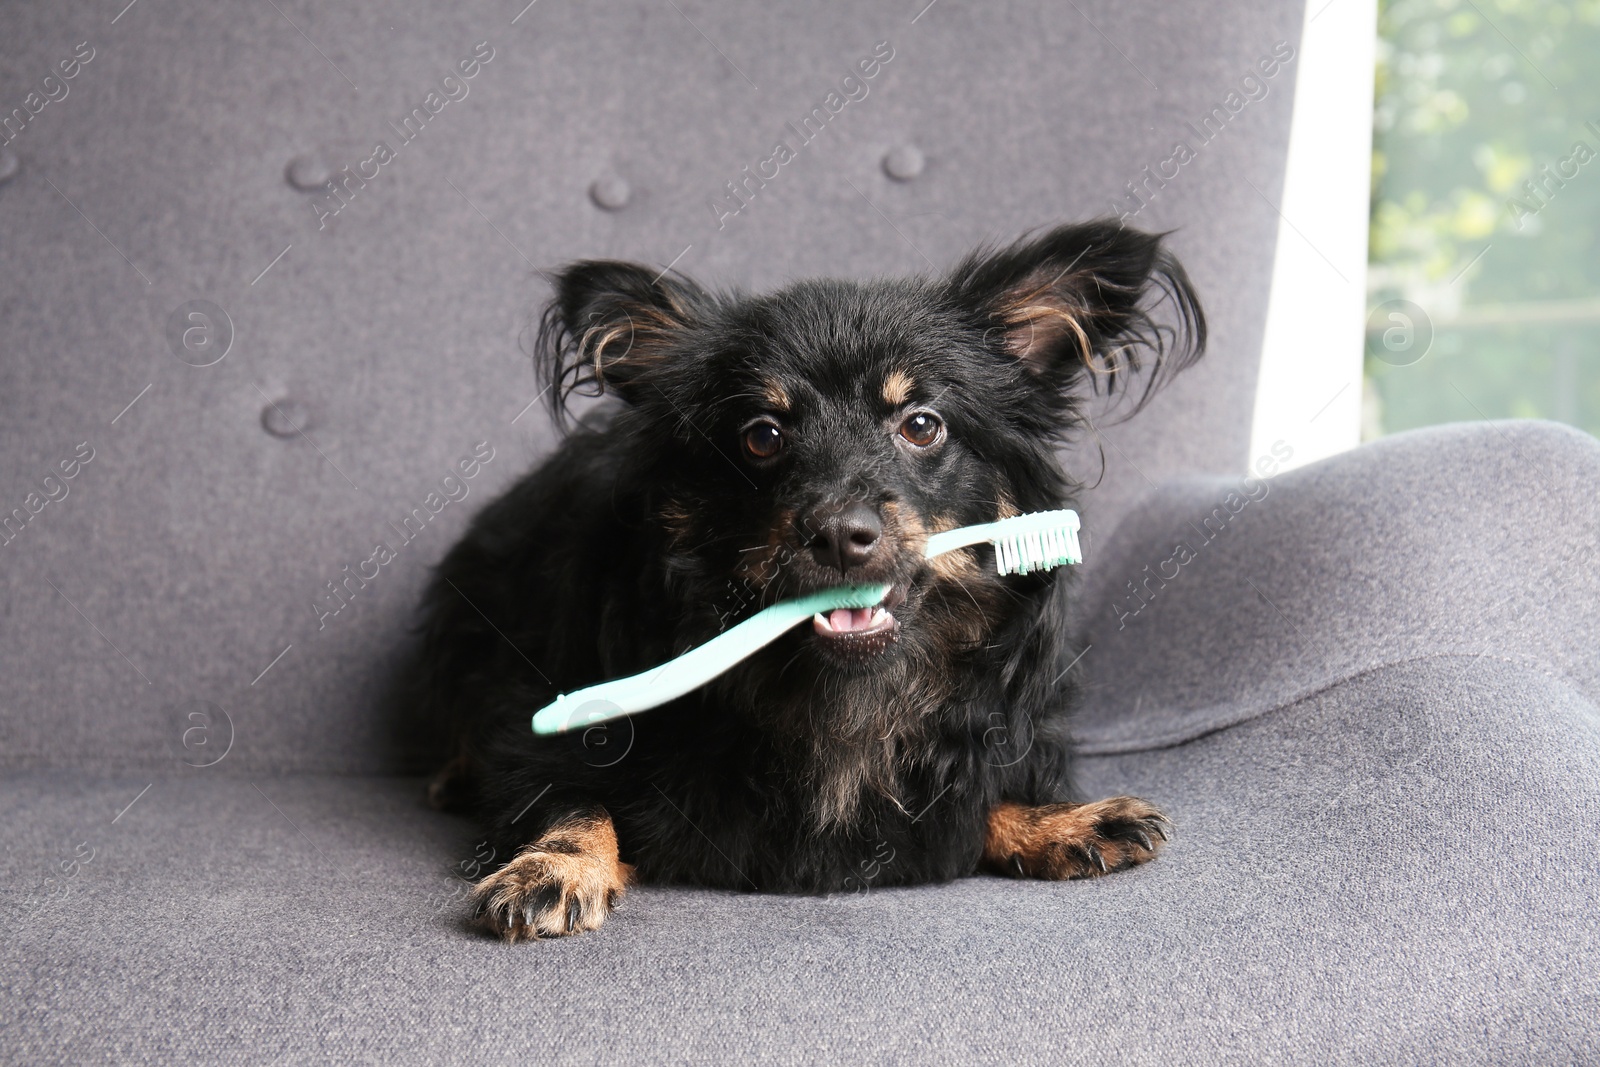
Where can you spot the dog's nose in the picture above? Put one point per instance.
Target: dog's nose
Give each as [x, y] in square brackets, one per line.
[844, 536]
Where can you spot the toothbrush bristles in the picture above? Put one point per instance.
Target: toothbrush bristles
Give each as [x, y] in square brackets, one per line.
[1037, 550]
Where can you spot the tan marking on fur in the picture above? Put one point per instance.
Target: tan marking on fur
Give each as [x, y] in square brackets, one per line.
[760, 564]
[914, 534]
[897, 388]
[1057, 841]
[644, 328]
[958, 566]
[961, 604]
[671, 293]
[904, 527]
[655, 321]
[676, 519]
[1004, 506]
[1037, 317]
[578, 859]
[595, 341]
[1046, 323]
[775, 395]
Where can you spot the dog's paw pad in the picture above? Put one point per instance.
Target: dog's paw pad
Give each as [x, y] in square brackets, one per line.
[1058, 841]
[553, 888]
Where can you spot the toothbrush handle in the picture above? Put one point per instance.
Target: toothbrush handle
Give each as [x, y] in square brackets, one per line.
[950, 540]
[650, 689]
[1017, 525]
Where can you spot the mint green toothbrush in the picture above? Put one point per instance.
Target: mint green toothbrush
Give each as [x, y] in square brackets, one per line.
[1022, 544]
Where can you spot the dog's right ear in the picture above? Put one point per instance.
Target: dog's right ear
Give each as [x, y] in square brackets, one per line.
[1078, 302]
[609, 325]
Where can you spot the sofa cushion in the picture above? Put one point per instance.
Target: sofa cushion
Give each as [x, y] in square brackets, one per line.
[1394, 869]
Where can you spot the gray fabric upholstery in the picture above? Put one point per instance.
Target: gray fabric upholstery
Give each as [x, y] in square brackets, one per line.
[1388, 865]
[1342, 882]
[1369, 700]
[1461, 540]
[198, 542]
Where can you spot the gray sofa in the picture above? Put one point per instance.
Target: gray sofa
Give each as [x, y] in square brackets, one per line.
[1366, 694]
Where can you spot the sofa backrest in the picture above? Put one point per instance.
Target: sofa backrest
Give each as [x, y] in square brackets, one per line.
[227, 384]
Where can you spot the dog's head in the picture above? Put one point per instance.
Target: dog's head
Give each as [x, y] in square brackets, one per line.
[818, 435]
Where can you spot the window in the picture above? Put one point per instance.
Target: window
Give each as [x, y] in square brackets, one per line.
[1484, 281]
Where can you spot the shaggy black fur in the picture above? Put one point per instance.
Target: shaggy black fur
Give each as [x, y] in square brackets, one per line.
[891, 409]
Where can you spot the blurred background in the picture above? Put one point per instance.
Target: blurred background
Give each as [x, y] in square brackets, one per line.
[1484, 286]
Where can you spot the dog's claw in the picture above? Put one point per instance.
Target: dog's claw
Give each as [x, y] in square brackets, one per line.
[1016, 865]
[1094, 856]
[1144, 839]
[1155, 824]
[574, 914]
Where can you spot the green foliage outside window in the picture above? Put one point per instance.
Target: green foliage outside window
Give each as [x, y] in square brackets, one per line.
[1485, 212]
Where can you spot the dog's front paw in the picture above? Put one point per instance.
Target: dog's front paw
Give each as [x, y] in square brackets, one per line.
[566, 882]
[1073, 840]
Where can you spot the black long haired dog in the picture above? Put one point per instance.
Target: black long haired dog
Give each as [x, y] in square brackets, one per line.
[765, 447]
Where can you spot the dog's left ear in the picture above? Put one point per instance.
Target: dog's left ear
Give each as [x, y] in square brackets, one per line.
[612, 327]
[1082, 301]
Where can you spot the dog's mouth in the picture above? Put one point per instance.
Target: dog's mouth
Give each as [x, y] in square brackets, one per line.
[859, 633]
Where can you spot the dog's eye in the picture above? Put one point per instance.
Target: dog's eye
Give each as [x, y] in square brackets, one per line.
[763, 439]
[922, 429]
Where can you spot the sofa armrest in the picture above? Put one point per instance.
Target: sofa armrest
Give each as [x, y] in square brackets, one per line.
[1217, 599]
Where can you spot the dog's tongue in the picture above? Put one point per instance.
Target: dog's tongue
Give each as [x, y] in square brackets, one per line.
[842, 619]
